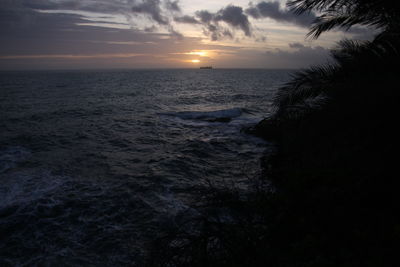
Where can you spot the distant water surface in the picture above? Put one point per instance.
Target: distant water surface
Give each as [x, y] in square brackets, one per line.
[94, 164]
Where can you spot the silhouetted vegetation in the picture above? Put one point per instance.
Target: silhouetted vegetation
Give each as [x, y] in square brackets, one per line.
[333, 198]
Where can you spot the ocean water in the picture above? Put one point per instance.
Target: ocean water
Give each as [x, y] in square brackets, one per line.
[93, 165]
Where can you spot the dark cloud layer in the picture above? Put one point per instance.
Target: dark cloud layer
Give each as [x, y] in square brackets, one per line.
[24, 30]
[151, 8]
[219, 25]
[273, 10]
[15, 13]
[101, 6]
[300, 56]
[173, 5]
[155, 9]
[186, 19]
[205, 16]
[233, 16]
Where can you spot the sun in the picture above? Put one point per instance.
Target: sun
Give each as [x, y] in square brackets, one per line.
[195, 61]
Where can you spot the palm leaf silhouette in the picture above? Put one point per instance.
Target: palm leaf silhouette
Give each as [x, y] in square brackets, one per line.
[381, 14]
[313, 88]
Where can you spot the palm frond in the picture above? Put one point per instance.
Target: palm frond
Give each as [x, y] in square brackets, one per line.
[350, 52]
[310, 89]
[301, 92]
[347, 50]
[380, 14]
[325, 23]
[302, 6]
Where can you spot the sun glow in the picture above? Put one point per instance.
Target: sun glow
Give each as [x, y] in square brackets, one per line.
[198, 53]
[195, 61]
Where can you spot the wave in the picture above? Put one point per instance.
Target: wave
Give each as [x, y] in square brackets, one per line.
[223, 115]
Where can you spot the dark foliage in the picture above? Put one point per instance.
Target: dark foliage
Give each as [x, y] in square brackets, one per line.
[228, 227]
[335, 164]
[381, 14]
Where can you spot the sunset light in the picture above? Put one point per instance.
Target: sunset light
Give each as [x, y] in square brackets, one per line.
[198, 53]
[158, 34]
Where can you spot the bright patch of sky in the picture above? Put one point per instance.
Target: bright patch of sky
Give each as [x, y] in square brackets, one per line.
[158, 33]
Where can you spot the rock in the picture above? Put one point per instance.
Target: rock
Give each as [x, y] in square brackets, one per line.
[267, 128]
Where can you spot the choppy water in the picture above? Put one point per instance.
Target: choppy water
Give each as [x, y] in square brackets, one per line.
[94, 164]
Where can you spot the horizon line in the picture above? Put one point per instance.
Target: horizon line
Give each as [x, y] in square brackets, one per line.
[143, 68]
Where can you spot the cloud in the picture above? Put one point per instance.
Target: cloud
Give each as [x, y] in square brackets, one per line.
[151, 8]
[175, 34]
[76, 56]
[218, 25]
[293, 56]
[100, 6]
[151, 29]
[173, 5]
[233, 16]
[29, 32]
[154, 9]
[205, 16]
[296, 45]
[217, 32]
[299, 56]
[273, 10]
[186, 19]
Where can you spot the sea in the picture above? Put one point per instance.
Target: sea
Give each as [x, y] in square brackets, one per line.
[94, 165]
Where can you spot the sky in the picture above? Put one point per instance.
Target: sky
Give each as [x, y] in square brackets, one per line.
[120, 34]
